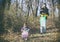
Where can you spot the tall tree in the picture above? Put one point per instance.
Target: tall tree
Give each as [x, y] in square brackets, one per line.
[2, 8]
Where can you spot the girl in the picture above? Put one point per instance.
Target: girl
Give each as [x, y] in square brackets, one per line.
[24, 31]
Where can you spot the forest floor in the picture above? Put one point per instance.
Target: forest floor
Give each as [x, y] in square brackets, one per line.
[52, 35]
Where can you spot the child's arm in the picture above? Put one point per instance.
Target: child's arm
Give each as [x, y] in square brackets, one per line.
[28, 30]
[22, 29]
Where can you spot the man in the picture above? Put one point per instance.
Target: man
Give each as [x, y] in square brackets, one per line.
[43, 18]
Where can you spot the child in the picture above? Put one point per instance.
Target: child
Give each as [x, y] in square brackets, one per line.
[42, 23]
[25, 31]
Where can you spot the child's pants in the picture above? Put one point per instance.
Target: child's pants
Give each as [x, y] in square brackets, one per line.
[42, 25]
[24, 34]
